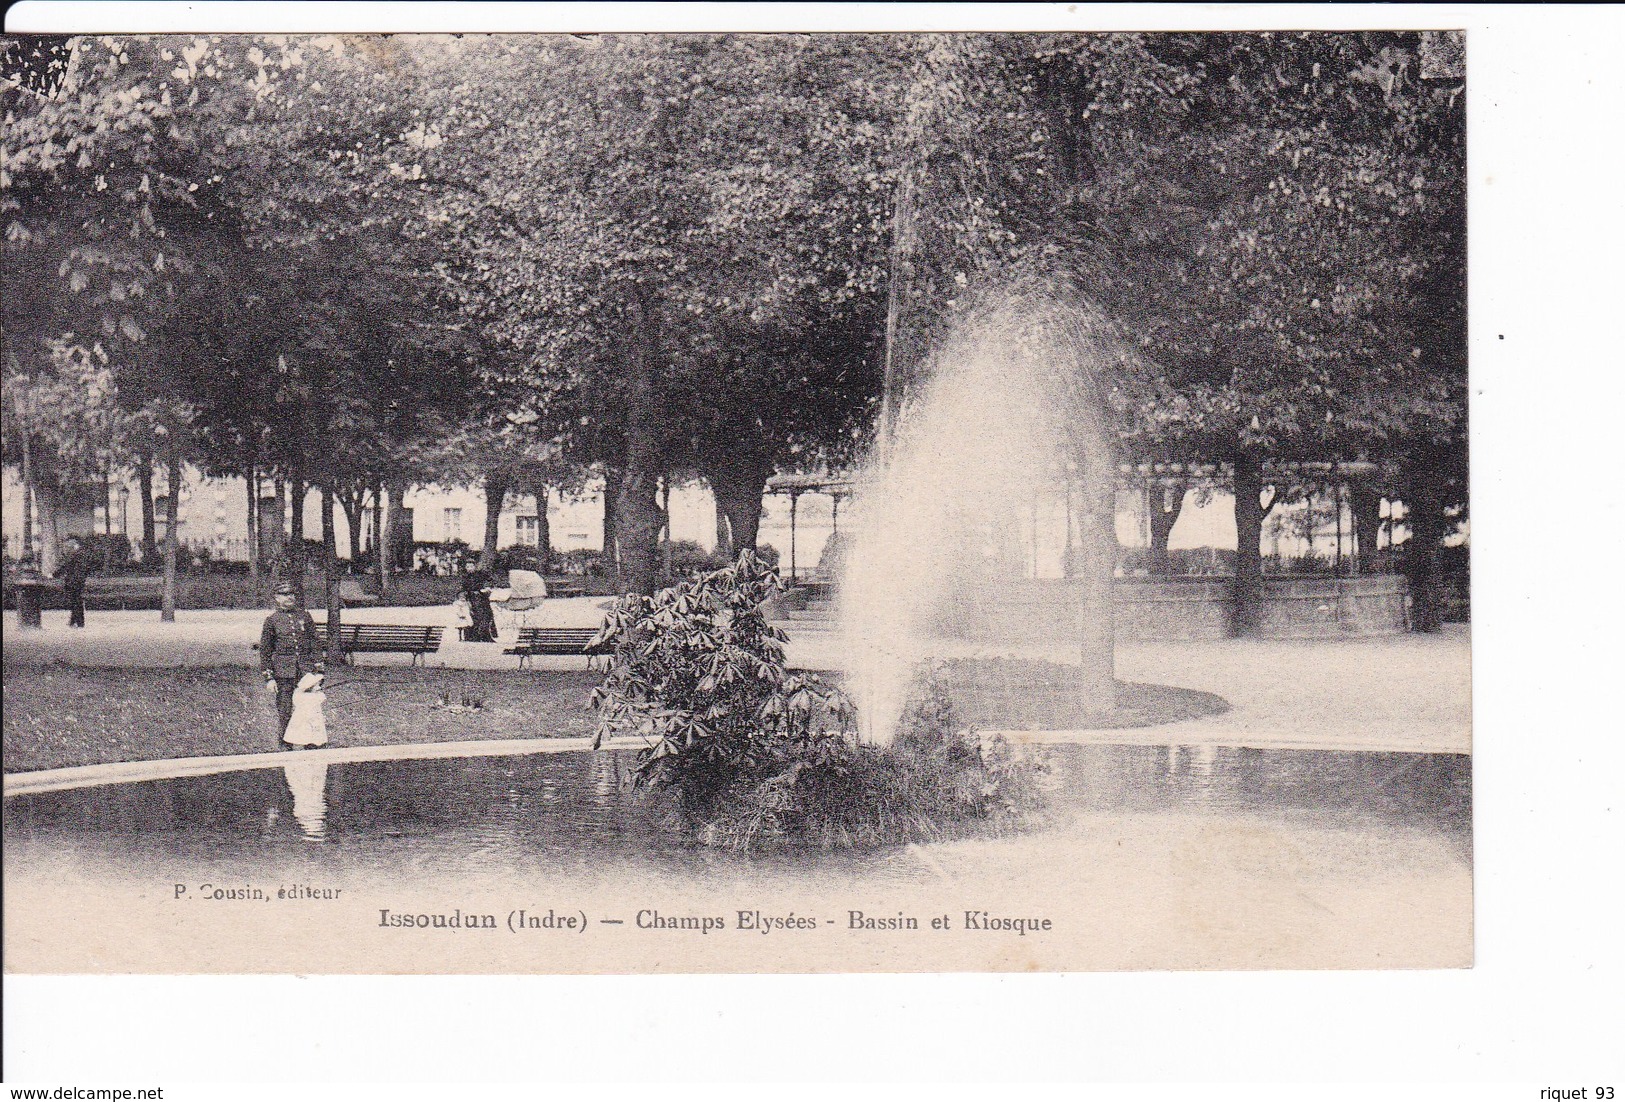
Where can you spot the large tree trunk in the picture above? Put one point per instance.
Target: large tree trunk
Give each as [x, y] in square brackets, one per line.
[172, 523]
[1424, 516]
[544, 528]
[28, 495]
[380, 540]
[330, 575]
[1097, 532]
[394, 524]
[353, 502]
[1166, 502]
[279, 536]
[612, 491]
[637, 513]
[496, 495]
[48, 500]
[725, 532]
[296, 538]
[149, 522]
[1365, 504]
[665, 527]
[355, 535]
[251, 481]
[637, 520]
[738, 489]
[1247, 597]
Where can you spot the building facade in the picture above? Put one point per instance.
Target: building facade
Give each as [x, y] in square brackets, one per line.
[213, 521]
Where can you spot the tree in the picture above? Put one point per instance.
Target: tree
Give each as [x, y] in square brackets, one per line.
[1264, 204]
[621, 228]
[82, 185]
[650, 212]
[781, 399]
[1167, 501]
[105, 188]
[502, 456]
[63, 427]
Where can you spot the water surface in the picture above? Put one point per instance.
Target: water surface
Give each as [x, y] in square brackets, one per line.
[573, 813]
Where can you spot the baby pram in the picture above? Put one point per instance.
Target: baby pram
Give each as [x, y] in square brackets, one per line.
[526, 591]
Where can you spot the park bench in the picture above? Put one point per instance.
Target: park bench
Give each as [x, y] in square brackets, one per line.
[383, 639]
[567, 641]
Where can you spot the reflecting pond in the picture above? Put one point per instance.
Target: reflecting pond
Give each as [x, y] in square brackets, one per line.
[558, 813]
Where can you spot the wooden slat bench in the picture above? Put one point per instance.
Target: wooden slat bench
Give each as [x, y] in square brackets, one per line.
[383, 639]
[569, 641]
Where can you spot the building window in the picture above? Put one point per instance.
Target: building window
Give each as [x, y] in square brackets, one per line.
[451, 524]
[526, 531]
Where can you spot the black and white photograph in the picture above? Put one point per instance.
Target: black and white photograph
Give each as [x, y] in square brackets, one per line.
[739, 501]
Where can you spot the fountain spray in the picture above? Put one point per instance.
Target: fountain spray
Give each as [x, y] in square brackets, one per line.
[1012, 396]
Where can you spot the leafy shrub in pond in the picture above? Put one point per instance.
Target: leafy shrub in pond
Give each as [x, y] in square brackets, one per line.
[699, 671]
[754, 754]
[937, 780]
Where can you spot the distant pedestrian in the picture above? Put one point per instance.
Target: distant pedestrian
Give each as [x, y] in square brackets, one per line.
[477, 589]
[288, 651]
[73, 571]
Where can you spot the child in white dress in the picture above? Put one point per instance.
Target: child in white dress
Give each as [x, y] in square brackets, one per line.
[308, 727]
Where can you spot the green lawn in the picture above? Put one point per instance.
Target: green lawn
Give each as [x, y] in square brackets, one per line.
[58, 715]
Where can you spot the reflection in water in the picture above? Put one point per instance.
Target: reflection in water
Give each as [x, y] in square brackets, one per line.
[569, 812]
[307, 781]
[1380, 792]
[1195, 762]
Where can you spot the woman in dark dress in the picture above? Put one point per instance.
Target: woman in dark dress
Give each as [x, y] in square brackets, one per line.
[477, 588]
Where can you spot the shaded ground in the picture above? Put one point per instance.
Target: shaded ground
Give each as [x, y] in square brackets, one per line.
[58, 715]
[1029, 694]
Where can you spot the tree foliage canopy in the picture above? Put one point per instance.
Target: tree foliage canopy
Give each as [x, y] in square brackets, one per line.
[328, 256]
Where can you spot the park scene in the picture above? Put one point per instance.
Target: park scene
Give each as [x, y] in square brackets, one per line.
[702, 487]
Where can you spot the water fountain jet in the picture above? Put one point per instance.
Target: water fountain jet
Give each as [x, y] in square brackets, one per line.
[1012, 398]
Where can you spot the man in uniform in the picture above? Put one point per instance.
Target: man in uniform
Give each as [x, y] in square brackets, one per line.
[288, 651]
[73, 570]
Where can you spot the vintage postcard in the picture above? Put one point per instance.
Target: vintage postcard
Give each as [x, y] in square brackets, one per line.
[736, 503]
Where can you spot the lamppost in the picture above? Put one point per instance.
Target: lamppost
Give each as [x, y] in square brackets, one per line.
[794, 494]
